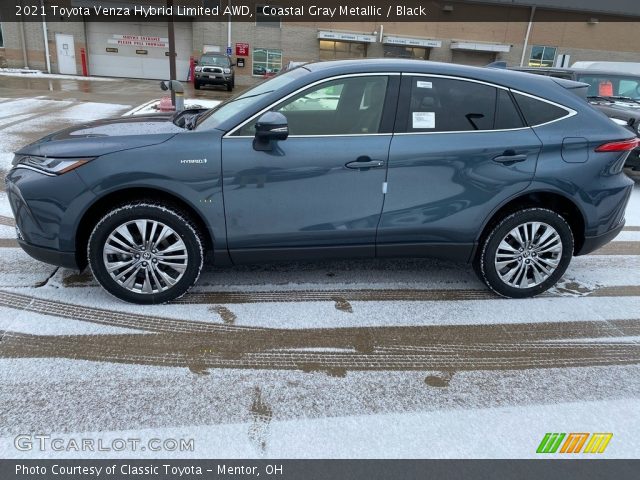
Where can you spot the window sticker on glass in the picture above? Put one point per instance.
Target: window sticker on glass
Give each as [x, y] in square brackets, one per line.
[421, 84]
[424, 120]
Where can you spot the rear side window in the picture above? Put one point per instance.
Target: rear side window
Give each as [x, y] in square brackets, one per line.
[537, 112]
[507, 115]
[448, 105]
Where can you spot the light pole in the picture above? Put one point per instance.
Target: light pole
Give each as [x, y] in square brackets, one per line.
[172, 51]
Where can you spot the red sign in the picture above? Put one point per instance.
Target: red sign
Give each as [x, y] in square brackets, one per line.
[242, 49]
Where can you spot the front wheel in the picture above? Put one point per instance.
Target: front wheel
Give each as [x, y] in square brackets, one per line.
[526, 253]
[196, 85]
[145, 253]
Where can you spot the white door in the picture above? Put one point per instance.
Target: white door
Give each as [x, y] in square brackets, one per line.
[137, 50]
[66, 50]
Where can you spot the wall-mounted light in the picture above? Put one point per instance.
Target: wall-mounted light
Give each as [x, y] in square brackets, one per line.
[447, 8]
[593, 21]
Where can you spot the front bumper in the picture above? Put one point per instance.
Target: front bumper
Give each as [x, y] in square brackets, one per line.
[214, 78]
[48, 255]
[47, 211]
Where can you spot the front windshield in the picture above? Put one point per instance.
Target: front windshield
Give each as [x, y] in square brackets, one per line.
[236, 104]
[217, 60]
[601, 85]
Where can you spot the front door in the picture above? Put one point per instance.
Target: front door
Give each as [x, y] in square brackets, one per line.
[66, 53]
[321, 190]
[461, 149]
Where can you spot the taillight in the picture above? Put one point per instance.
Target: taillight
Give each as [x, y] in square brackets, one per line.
[620, 146]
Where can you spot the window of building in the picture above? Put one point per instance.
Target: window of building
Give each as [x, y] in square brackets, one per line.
[337, 50]
[263, 20]
[1, 38]
[446, 105]
[345, 106]
[537, 112]
[266, 61]
[542, 56]
[400, 51]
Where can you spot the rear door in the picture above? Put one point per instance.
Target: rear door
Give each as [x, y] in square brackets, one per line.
[460, 149]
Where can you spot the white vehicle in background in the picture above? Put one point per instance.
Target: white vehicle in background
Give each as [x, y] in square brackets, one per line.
[619, 67]
[161, 105]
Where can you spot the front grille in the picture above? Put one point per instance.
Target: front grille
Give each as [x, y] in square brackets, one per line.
[212, 70]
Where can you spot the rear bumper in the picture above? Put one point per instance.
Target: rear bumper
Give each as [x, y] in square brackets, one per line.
[48, 255]
[593, 243]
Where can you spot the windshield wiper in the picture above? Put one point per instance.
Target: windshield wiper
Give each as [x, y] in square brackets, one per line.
[626, 99]
[613, 98]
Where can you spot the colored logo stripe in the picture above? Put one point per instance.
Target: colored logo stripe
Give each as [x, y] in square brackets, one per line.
[598, 442]
[550, 443]
[574, 442]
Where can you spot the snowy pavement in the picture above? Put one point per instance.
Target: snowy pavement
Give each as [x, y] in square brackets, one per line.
[379, 359]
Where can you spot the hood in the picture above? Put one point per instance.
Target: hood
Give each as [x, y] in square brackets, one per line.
[105, 136]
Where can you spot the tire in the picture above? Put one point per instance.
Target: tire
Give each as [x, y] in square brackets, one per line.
[538, 266]
[196, 85]
[139, 272]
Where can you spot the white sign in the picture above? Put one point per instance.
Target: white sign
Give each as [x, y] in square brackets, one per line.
[421, 84]
[347, 37]
[424, 120]
[139, 41]
[411, 42]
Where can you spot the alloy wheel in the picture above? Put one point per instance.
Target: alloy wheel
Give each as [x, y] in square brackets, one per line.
[145, 256]
[528, 254]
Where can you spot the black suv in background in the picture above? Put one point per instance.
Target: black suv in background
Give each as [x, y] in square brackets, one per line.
[214, 69]
[616, 94]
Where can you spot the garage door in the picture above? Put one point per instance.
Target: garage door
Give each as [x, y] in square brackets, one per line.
[479, 59]
[137, 50]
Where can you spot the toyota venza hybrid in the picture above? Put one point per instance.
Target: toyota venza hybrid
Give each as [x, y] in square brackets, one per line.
[511, 172]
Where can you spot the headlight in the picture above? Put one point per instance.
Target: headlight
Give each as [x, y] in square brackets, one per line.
[198, 69]
[49, 165]
[226, 70]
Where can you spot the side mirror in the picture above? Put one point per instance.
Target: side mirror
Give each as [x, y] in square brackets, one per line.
[233, 64]
[195, 62]
[270, 127]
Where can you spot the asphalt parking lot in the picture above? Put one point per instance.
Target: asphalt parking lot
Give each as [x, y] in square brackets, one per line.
[383, 359]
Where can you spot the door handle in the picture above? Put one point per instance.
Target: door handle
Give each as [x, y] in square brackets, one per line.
[510, 157]
[365, 162]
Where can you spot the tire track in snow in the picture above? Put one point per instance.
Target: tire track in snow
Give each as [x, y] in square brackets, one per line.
[388, 349]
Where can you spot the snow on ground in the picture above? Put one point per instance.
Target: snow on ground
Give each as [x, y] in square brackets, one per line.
[330, 366]
[24, 73]
[38, 116]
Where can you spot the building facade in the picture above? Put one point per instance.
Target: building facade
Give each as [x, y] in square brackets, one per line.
[524, 36]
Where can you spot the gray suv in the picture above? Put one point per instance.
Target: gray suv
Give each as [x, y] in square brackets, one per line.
[376, 158]
[214, 69]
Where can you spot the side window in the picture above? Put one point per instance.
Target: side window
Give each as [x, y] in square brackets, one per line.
[537, 112]
[507, 115]
[345, 106]
[447, 105]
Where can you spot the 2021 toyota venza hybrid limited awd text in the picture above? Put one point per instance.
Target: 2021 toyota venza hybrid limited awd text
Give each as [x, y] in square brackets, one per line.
[512, 172]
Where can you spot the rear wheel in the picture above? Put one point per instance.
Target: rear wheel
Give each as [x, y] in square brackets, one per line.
[145, 253]
[526, 253]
